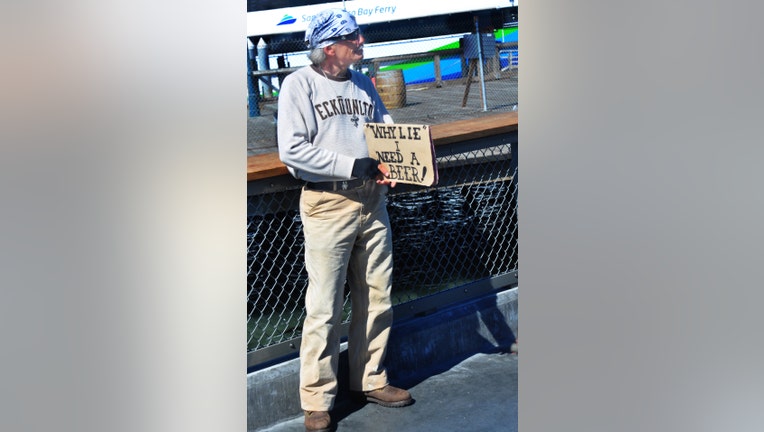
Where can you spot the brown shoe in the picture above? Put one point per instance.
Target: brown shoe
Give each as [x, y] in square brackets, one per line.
[317, 421]
[389, 396]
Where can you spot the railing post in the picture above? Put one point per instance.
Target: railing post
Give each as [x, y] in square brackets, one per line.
[262, 63]
[253, 94]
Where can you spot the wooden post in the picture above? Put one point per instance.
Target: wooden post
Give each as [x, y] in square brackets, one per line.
[473, 65]
[496, 64]
[436, 65]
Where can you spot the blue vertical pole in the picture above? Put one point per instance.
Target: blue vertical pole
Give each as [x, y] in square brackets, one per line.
[254, 106]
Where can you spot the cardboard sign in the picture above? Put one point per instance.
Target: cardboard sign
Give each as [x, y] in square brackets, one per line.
[406, 150]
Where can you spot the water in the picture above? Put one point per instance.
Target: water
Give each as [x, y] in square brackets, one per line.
[446, 236]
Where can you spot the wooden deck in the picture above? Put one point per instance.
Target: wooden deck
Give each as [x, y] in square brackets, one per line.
[425, 104]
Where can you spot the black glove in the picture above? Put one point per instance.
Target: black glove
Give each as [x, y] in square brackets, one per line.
[365, 168]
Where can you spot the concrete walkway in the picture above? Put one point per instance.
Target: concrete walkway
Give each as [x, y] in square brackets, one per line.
[477, 394]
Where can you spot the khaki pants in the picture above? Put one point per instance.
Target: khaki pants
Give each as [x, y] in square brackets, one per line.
[347, 236]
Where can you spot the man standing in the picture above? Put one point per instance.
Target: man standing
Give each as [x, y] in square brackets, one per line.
[322, 110]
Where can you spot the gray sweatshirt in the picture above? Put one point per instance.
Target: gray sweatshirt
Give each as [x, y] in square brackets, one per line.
[321, 123]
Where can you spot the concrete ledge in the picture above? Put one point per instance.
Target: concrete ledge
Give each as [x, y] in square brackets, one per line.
[418, 348]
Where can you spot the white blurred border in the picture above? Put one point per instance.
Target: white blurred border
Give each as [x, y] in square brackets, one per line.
[639, 213]
[123, 181]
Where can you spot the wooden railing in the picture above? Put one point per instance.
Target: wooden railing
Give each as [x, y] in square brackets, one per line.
[269, 165]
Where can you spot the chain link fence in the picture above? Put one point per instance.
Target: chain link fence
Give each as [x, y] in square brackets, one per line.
[443, 237]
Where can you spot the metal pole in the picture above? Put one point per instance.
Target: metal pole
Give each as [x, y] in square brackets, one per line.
[254, 107]
[480, 62]
[262, 64]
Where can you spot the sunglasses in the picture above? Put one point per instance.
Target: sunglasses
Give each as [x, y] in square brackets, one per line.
[354, 36]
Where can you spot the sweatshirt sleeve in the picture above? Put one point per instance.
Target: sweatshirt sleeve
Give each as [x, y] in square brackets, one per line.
[296, 129]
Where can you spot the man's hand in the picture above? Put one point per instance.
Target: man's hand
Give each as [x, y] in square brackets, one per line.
[365, 168]
[382, 177]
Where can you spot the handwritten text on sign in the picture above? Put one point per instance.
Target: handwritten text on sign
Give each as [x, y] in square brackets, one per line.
[405, 149]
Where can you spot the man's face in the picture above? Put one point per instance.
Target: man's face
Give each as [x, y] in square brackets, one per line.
[350, 49]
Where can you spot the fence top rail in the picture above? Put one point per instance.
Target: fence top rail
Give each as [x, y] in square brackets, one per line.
[269, 165]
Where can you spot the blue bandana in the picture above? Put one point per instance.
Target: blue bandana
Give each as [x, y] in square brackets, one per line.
[327, 24]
